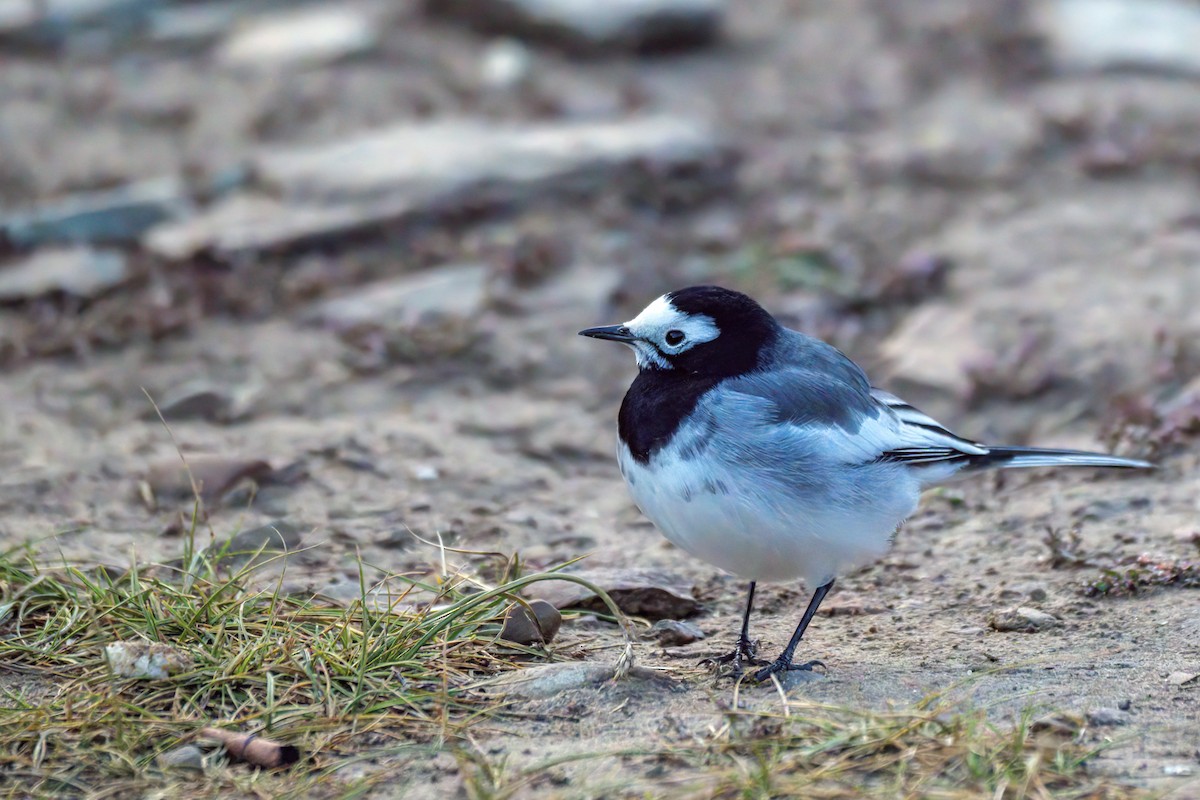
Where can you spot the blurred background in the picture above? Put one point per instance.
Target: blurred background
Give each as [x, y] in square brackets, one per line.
[345, 247]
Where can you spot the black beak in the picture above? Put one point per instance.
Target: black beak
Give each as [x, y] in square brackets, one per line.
[617, 333]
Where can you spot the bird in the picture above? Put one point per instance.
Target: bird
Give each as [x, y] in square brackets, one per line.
[769, 454]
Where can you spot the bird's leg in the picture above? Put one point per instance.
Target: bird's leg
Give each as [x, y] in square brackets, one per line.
[784, 662]
[746, 651]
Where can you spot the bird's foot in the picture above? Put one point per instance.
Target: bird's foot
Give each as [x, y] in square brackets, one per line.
[784, 664]
[730, 664]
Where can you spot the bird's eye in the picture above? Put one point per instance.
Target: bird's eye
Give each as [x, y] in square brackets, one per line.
[674, 337]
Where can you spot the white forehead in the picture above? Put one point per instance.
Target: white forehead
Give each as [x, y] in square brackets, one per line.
[661, 316]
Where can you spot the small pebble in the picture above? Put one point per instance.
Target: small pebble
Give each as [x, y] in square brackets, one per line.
[1023, 619]
[673, 632]
[522, 628]
[425, 472]
[186, 757]
[505, 65]
[1102, 717]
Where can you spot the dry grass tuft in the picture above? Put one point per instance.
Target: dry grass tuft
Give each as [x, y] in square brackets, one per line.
[331, 680]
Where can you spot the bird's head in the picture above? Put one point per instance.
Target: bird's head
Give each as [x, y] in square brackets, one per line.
[703, 330]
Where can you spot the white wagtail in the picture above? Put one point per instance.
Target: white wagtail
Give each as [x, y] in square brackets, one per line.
[768, 453]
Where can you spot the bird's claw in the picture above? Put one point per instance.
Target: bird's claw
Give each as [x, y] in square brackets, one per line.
[785, 665]
[746, 652]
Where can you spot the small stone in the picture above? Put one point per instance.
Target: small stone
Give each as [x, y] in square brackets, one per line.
[410, 301]
[795, 678]
[186, 757]
[425, 472]
[194, 25]
[1103, 717]
[1058, 724]
[548, 680]
[203, 399]
[539, 628]
[505, 65]
[1182, 678]
[278, 537]
[594, 27]
[1023, 620]
[1107, 34]
[411, 173]
[147, 660]
[51, 23]
[673, 632]
[309, 36]
[114, 216]
[77, 271]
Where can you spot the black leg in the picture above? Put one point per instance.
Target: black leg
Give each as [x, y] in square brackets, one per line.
[746, 651]
[784, 662]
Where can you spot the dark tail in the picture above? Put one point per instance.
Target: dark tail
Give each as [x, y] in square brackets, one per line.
[1012, 457]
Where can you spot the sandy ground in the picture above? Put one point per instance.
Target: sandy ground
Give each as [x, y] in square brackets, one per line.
[872, 131]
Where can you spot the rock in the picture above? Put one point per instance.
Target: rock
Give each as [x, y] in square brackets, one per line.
[505, 65]
[119, 215]
[408, 302]
[277, 537]
[793, 679]
[1182, 678]
[459, 162]
[593, 27]
[1114, 34]
[52, 22]
[202, 399]
[315, 35]
[186, 757]
[932, 347]
[673, 632]
[425, 472]
[77, 271]
[150, 660]
[1023, 620]
[416, 172]
[215, 476]
[524, 628]
[1105, 717]
[649, 593]
[1066, 726]
[548, 680]
[194, 25]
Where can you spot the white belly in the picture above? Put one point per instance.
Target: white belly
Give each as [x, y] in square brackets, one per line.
[749, 524]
